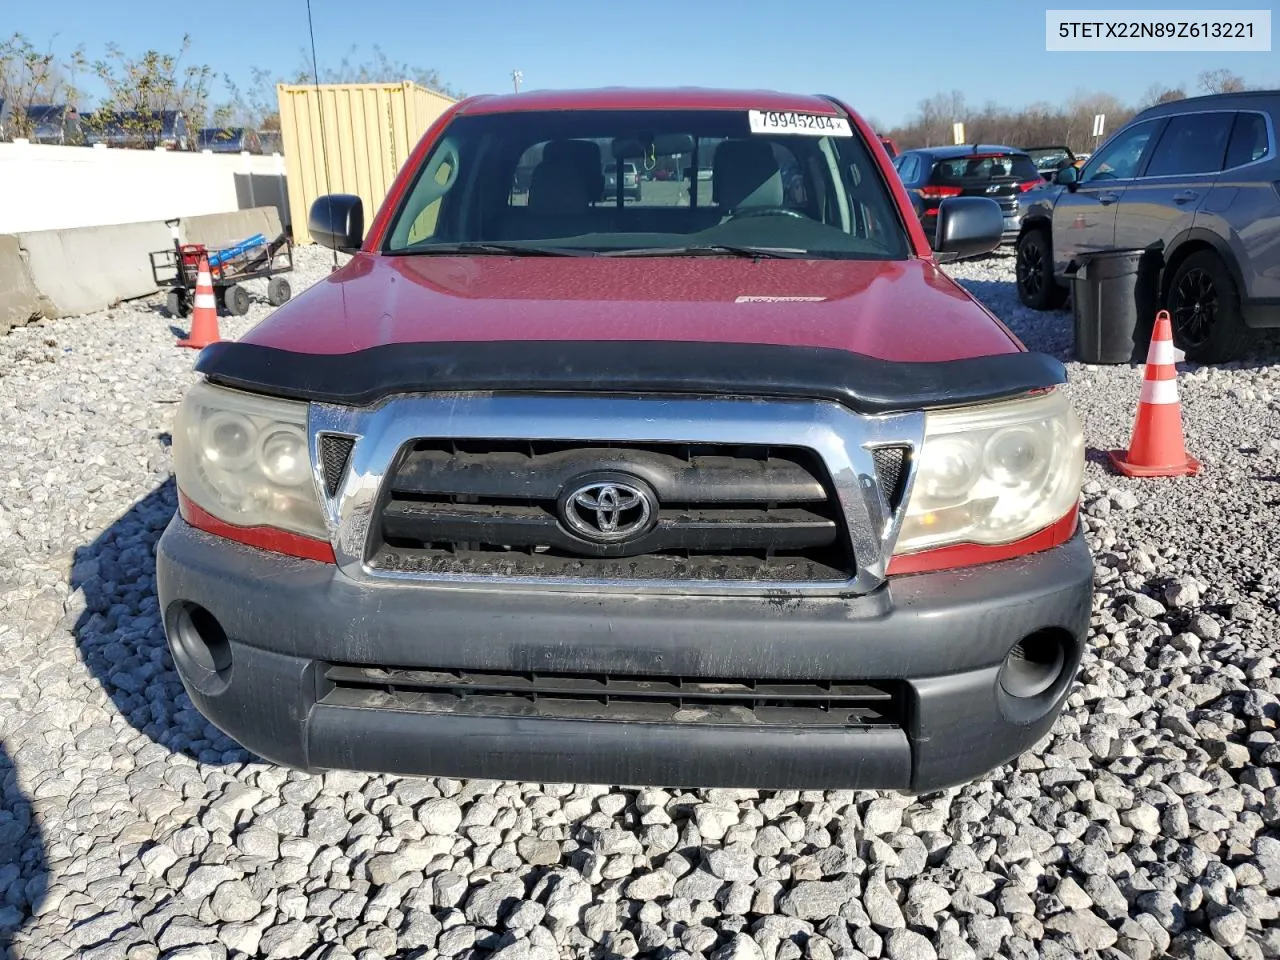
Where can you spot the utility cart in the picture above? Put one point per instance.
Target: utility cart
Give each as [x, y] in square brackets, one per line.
[250, 259]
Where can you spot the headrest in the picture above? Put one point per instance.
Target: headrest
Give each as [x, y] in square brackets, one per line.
[580, 153]
[745, 174]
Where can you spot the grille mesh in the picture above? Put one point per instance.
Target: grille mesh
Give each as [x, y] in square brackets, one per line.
[891, 468]
[721, 512]
[335, 451]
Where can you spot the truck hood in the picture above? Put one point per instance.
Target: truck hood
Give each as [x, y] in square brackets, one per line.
[897, 310]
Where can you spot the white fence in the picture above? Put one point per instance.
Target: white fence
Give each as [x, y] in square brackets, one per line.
[57, 188]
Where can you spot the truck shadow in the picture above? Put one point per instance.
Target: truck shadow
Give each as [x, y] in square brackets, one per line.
[24, 871]
[120, 632]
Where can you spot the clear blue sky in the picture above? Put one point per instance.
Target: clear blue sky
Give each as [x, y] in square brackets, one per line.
[882, 57]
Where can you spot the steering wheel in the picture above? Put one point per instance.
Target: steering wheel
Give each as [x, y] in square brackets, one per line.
[767, 212]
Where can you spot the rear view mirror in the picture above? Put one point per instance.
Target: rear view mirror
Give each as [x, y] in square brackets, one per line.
[337, 221]
[1066, 176]
[968, 227]
[664, 145]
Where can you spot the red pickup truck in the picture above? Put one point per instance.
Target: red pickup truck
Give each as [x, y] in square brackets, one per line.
[729, 485]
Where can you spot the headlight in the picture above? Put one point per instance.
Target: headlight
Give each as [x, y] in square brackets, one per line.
[244, 459]
[994, 474]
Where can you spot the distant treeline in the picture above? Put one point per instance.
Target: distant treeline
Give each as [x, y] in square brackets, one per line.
[1043, 123]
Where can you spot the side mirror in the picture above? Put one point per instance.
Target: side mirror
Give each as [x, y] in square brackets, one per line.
[337, 221]
[1066, 176]
[968, 227]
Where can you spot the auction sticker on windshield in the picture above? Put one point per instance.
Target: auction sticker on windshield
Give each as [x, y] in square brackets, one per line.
[788, 121]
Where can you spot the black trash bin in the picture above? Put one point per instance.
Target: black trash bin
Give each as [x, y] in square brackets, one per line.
[1112, 299]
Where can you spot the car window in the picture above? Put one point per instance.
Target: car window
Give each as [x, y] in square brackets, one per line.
[1119, 159]
[910, 168]
[1049, 158]
[1248, 140]
[982, 167]
[698, 177]
[1191, 143]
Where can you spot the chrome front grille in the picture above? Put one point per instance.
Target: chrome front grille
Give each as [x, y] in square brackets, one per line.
[746, 494]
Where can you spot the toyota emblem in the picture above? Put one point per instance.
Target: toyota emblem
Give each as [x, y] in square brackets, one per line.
[609, 511]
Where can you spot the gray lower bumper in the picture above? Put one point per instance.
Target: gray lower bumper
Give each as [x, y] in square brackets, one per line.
[942, 636]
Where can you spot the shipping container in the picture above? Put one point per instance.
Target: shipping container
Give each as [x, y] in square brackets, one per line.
[369, 130]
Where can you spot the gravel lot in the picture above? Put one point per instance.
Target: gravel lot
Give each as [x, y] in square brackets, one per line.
[1147, 825]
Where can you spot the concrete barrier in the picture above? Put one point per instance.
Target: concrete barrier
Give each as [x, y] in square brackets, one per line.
[69, 272]
[224, 229]
[20, 301]
[92, 268]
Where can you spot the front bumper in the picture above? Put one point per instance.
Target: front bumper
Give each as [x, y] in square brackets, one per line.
[942, 637]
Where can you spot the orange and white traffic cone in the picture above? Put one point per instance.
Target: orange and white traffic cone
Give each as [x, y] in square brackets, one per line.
[1157, 448]
[204, 313]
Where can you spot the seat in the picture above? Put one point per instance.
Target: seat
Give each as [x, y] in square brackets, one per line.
[745, 174]
[567, 178]
[562, 187]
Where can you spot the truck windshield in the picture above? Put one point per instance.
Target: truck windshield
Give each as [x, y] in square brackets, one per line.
[695, 180]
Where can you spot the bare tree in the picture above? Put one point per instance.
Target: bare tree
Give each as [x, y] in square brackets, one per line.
[377, 68]
[1039, 124]
[29, 76]
[938, 113]
[1220, 81]
[1158, 93]
[258, 105]
[141, 90]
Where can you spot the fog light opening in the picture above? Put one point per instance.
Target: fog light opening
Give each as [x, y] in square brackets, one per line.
[202, 643]
[1034, 664]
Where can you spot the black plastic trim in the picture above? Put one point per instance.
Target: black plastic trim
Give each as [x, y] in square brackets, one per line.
[860, 382]
[939, 637]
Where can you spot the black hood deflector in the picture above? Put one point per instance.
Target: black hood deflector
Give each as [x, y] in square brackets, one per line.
[862, 383]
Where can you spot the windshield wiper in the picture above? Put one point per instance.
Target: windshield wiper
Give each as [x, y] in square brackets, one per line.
[493, 249]
[713, 250]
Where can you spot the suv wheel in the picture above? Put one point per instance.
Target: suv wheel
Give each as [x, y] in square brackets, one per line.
[1204, 305]
[1037, 286]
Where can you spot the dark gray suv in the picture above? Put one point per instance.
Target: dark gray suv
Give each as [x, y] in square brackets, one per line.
[1196, 181]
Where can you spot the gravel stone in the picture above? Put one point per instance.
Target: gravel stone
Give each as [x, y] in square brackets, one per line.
[1082, 929]
[909, 945]
[287, 941]
[489, 902]
[739, 947]
[441, 816]
[815, 899]
[651, 886]
[234, 901]
[732, 863]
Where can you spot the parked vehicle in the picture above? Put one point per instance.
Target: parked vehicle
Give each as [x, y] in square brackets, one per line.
[972, 170]
[228, 140]
[630, 182]
[1193, 180]
[137, 130]
[731, 494]
[1049, 160]
[890, 147]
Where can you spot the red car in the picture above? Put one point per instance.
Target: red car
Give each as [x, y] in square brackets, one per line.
[722, 487]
